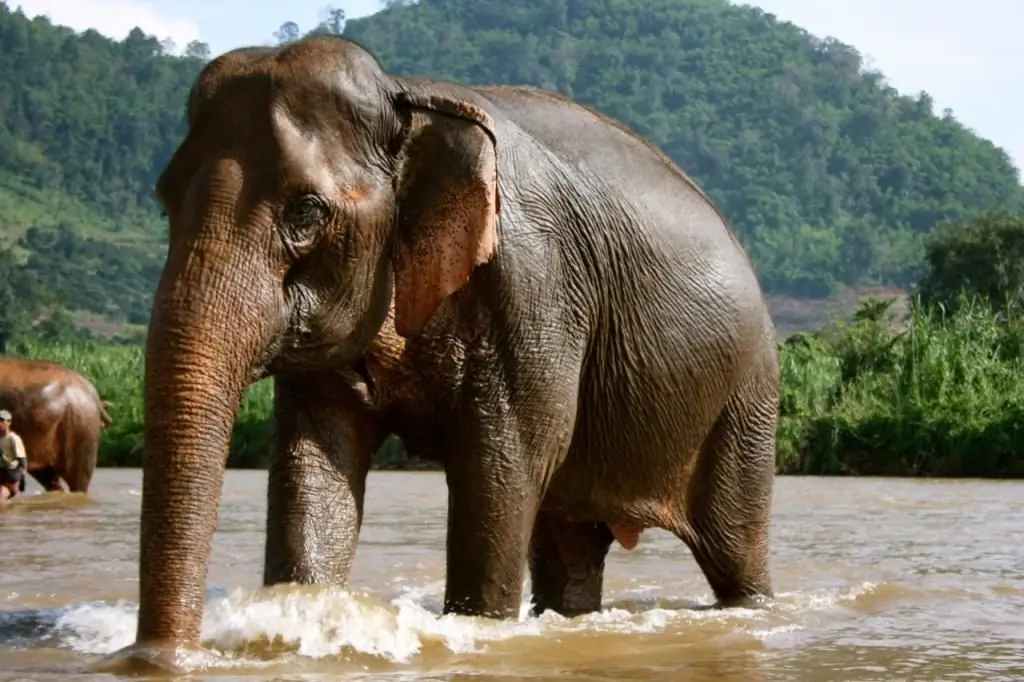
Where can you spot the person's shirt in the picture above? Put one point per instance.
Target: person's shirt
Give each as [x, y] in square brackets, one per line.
[11, 449]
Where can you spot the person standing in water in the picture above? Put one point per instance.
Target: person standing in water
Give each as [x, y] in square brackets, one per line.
[13, 460]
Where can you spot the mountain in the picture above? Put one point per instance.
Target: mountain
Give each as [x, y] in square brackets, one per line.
[829, 175]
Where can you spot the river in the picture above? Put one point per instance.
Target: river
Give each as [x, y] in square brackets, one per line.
[876, 579]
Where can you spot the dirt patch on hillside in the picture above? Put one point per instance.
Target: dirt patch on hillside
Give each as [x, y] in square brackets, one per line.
[792, 315]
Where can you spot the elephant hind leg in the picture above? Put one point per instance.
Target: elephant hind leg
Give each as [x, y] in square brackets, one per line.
[49, 479]
[728, 499]
[567, 565]
[80, 465]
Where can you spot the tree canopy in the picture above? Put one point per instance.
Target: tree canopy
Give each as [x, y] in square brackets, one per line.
[980, 261]
[829, 175]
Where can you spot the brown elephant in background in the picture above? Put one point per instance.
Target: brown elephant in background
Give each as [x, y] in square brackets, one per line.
[59, 415]
[516, 285]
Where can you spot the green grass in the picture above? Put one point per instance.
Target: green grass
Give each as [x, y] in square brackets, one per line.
[942, 397]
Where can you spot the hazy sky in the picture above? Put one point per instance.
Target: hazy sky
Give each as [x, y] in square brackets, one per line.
[969, 57]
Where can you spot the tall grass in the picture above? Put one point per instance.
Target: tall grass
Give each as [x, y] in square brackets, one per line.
[942, 397]
[937, 397]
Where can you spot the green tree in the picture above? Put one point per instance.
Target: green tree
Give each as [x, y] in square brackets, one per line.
[198, 50]
[982, 259]
[16, 301]
[287, 33]
[333, 22]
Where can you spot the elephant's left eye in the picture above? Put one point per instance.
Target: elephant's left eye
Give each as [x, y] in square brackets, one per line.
[306, 211]
[302, 218]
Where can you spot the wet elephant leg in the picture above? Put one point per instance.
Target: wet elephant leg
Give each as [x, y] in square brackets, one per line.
[79, 471]
[729, 498]
[320, 456]
[492, 502]
[510, 432]
[567, 565]
[49, 479]
[498, 465]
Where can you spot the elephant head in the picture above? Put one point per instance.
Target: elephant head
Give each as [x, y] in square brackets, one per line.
[309, 187]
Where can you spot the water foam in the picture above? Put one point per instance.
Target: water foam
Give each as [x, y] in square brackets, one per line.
[264, 624]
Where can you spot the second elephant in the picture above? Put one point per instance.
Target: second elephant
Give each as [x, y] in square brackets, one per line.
[59, 415]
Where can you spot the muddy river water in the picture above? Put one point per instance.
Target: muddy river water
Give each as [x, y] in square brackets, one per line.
[877, 579]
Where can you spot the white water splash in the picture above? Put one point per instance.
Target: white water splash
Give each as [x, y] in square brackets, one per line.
[98, 628]
[318, 622]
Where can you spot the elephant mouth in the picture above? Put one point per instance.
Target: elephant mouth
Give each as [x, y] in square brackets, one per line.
[298, 353]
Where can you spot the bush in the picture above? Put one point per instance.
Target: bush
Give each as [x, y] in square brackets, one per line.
[942, 397]
[983, 258]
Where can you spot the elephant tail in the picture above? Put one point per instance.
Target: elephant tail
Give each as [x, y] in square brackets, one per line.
[104, 414]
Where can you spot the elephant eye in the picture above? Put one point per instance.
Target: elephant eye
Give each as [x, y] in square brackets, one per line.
[302, 215]
[306, 210]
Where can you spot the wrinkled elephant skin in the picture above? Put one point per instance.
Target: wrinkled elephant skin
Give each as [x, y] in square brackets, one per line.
[518, 286]
[60, 417]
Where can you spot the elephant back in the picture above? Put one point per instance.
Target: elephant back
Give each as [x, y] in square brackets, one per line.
[39, 392]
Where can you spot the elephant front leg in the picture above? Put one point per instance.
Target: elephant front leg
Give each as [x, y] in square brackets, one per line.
[498, 472]
[567, 565]
[491, 508]
[501, 451]
[320, 456]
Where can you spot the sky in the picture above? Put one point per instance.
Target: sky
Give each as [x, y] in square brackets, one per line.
[968, 57]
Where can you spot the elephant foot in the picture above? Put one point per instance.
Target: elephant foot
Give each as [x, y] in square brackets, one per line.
[49, 480]
[159, 660]
[756, 602]
[567, 565]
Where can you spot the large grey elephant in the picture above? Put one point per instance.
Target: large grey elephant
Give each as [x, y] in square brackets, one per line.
[516, 285]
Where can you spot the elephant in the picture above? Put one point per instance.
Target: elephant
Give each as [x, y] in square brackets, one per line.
[517, 285]
[60, 417]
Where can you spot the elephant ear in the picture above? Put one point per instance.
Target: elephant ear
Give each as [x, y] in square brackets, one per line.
[448, 203]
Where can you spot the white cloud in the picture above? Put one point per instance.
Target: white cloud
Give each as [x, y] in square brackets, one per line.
[113, 18]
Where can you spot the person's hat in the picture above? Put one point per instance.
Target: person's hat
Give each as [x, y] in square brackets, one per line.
[5, 416]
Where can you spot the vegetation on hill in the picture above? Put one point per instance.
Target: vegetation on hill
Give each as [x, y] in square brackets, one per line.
[86, 123]
[830, 176]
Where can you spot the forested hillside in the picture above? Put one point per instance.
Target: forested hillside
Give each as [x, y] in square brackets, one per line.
[829, 176]
[85, 125]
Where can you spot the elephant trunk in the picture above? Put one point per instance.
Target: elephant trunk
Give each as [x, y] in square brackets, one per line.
[200, 358]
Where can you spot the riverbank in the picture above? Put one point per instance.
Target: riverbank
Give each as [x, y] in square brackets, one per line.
[878, 396]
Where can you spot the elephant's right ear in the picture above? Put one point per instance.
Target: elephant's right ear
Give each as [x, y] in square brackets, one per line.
[448, 202]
